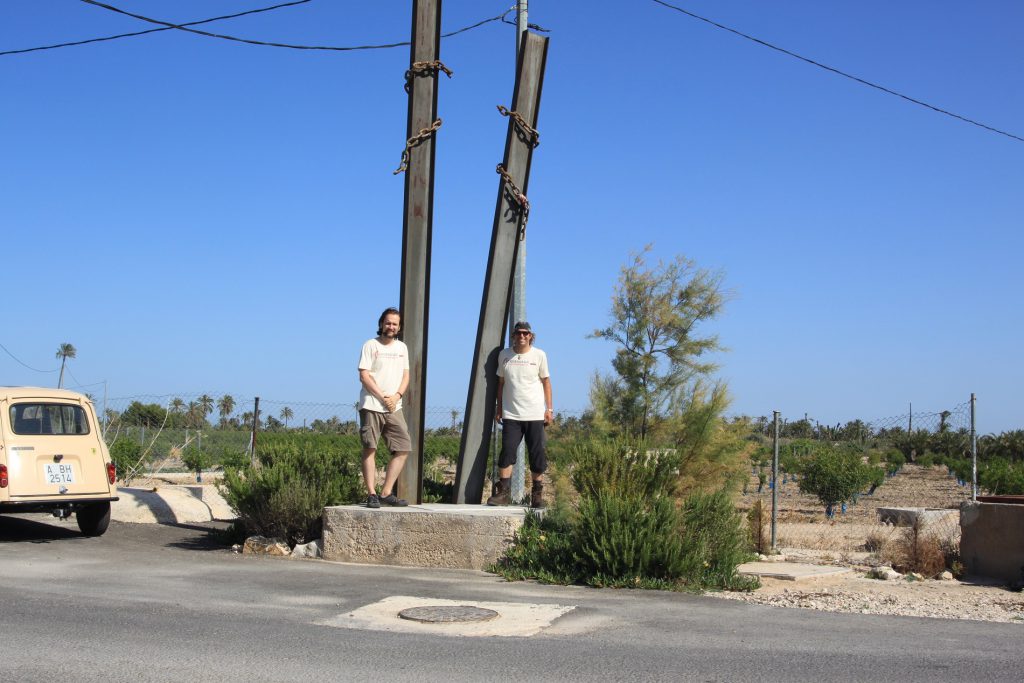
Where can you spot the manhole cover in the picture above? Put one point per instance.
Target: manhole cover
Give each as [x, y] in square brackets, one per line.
[447, 614]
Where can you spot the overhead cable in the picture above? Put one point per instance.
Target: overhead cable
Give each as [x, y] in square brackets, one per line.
[333, 48]
[840, 73]
[19, 361]
[151, 30]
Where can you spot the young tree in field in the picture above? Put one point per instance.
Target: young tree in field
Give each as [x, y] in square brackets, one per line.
[286, 414]
[64, 351]
[661, 355]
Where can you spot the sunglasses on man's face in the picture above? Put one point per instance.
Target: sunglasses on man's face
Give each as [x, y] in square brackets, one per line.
[523, 333]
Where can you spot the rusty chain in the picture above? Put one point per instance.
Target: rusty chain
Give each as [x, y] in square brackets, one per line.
[532, 136]
[424, 69]
[413, 141]
[517, 196]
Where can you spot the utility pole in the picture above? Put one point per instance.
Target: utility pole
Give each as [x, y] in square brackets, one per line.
[775, 480]
[418, 164]
[974, 452]
[510, 218]
[518, 311]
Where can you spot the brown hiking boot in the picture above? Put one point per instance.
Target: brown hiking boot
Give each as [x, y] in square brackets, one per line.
[502, 494]
[537, 495]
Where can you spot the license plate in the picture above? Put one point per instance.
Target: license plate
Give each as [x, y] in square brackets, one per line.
[59, 473]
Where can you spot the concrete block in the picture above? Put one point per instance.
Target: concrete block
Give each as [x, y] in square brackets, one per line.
[428, 535]
[907, 516]
[992, 540]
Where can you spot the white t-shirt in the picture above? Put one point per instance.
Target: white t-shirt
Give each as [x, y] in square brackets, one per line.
[387, 363]
[522, 396]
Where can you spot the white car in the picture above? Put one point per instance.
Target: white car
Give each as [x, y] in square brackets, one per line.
[53, 458]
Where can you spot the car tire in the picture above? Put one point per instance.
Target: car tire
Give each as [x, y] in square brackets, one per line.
[93, 519]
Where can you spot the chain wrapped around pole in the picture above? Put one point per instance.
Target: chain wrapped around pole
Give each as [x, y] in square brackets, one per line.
[413, 141]
[530, 135]
[425, 69]
[518, 197]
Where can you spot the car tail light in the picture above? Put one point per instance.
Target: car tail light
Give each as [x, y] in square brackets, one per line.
[3, 476]
[111, 472]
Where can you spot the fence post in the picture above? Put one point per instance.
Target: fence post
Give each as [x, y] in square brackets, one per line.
[255, 427]
[974, 453]
[775, 481]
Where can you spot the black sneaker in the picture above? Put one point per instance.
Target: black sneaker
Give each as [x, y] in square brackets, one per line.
[373, 501]
[394, 501]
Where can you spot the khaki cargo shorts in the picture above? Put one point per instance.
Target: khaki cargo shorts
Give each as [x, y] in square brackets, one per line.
[373, 425]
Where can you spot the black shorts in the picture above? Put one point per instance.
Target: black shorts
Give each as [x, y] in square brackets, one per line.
[513, 432]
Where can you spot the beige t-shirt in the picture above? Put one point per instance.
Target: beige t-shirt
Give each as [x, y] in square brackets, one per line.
[522, 397]
[387, 363]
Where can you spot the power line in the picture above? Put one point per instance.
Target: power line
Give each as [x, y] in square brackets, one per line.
[19, 361]
[841, 73]
[333, 48]
[152, 30]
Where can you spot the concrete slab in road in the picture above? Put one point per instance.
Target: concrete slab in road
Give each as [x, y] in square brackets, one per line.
[789, 571]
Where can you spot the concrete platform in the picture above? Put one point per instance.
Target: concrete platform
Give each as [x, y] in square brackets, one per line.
[428, 535]
[789, 571]
[170, 505]
[908, 516]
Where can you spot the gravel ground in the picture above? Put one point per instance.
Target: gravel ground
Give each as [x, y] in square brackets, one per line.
[855, 593]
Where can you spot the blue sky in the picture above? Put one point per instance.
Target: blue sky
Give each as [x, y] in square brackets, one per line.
[196, 215]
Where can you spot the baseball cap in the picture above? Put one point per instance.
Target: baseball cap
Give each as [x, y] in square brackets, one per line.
[522, 325]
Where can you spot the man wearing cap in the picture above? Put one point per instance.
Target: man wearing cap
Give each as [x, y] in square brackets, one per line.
[524, 410]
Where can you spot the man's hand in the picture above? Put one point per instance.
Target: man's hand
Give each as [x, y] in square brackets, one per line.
[549, 416]
[497, 415]
[389, 402]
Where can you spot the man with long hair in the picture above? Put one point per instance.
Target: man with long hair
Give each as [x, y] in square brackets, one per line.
[524, 410]
[384, 375]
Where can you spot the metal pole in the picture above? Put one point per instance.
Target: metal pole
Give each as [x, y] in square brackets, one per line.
[509, 217]
[519, 285]
[974, 453]
[910, 418]
[775, 481]
[255, 427]
[416, 233]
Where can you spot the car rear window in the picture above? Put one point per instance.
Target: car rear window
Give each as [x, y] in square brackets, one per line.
[48, 419]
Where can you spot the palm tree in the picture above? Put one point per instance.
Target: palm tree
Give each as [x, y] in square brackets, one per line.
[205, 404]
[177, 405]
[286, 414]
[225, 406]
[195, 416]
[64, 351]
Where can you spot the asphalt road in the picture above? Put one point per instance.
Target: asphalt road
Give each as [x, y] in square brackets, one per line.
[150, 602]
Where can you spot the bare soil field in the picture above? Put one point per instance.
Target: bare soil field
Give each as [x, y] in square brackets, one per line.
[804, 531]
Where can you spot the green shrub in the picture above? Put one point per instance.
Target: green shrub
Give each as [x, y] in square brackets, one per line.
[1000, 476]
[627, 530]
[623, 469]
[125, 454]
[621, 541]
[834, 477]
[895, 459]
[283, 496]
[542, 550]
[196, 460]
[714, 543]
[757, 524]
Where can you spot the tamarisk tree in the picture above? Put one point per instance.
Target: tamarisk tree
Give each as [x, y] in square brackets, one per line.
[661, 357]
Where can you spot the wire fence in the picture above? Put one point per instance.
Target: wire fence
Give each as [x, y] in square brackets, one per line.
[167, 426]
[878, 519]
